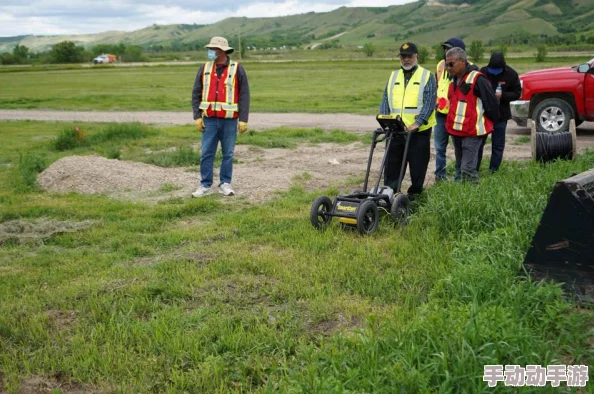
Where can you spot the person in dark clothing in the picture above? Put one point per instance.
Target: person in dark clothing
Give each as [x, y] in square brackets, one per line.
[410, 93]
[506, 78]
[473, 110]
[221, 106]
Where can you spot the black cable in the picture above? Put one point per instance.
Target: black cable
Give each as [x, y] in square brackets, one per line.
[551, 146]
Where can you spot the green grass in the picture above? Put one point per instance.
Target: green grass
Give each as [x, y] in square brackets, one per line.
[322, 86]
[198, 295]
[524, 139]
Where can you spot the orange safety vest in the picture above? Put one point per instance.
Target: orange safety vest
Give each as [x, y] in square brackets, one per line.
[466, 117]
[220, 95]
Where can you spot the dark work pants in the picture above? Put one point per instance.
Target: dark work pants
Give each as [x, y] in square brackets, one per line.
[497, 146]
[419, 153]
[466, 150]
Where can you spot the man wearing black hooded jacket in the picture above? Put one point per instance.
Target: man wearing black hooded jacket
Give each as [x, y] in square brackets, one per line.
[500, 74]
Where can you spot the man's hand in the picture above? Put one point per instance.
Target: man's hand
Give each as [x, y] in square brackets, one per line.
[412, 127]
[498, 95]
[242, 127]
[200, 124]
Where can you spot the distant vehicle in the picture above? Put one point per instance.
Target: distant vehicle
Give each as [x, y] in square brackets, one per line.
[552, 97]
[104, 59]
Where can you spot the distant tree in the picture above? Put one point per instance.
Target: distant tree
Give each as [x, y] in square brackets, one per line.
[503, 49]
[541, 53]
[476, 51]
[133, 53]
[21, 52]
[107, 48]
[423, 54]
[67, 52]
[369, 49]
[8, 58]
[438, 50]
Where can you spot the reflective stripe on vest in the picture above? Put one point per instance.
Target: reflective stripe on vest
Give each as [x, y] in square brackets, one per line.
[208, 69]
[230, 105]
[462, 106]
[480, 112]
[480, 118]
[461, 113]
[408, 101]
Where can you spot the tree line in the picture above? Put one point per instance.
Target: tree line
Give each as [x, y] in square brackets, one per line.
[69, 52]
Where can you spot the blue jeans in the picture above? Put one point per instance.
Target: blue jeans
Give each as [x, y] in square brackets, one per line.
[497, 146]
[217, 129]
[440, 141]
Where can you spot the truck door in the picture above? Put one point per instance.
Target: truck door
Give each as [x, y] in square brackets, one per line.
[589, 91]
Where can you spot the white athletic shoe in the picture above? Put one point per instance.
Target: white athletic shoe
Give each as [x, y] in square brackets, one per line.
[202, 191]
[226, 190]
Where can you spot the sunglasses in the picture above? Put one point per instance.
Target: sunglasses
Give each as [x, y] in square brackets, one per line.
[451, 64]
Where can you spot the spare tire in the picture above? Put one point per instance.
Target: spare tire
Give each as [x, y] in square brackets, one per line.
[552, 115]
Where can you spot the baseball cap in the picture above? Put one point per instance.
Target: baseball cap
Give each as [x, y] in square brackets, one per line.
[408, 48]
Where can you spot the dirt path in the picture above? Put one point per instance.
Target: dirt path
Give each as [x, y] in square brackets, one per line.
[258, 173]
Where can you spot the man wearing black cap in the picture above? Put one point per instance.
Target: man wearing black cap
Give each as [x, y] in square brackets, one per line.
[442, 105]
[410, 93]
[507, 87]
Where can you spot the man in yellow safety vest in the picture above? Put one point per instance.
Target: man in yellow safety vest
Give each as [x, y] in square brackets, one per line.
[410, 93]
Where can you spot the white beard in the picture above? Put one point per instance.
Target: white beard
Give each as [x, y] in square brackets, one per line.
[407, 68]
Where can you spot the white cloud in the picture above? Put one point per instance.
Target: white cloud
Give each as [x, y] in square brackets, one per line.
[53, 17]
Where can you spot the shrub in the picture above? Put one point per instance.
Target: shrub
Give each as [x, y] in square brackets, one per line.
[182, 156]
[476, 51]
[70, 138]
[541, 53]
[123, 131]
[369, 49]
[29, 167]
[73, 138]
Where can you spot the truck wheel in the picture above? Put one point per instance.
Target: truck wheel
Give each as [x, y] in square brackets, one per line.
[552, 115]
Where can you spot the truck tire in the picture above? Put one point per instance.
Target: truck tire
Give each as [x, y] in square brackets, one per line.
[552, 115]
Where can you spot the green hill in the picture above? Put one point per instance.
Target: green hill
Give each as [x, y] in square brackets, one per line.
[424, 22]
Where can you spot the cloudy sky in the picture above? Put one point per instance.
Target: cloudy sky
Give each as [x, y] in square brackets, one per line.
[49, 17]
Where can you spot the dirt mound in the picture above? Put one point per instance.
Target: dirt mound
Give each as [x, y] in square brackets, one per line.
[124, 179]
[257, 175]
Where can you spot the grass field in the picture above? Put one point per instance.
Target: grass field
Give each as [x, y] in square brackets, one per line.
[324, 86]
[207, 295]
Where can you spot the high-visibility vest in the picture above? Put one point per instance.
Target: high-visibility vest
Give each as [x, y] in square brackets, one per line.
[466, 117]
[220, 95]
[408, 101]
[443, 85]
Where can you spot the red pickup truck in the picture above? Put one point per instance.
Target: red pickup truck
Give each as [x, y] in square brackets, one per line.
[552, 97]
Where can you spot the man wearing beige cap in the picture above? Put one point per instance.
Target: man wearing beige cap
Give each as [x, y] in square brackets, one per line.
[221, 105]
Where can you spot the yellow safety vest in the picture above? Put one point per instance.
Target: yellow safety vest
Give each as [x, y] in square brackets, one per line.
[443, 85]
[407, 102]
